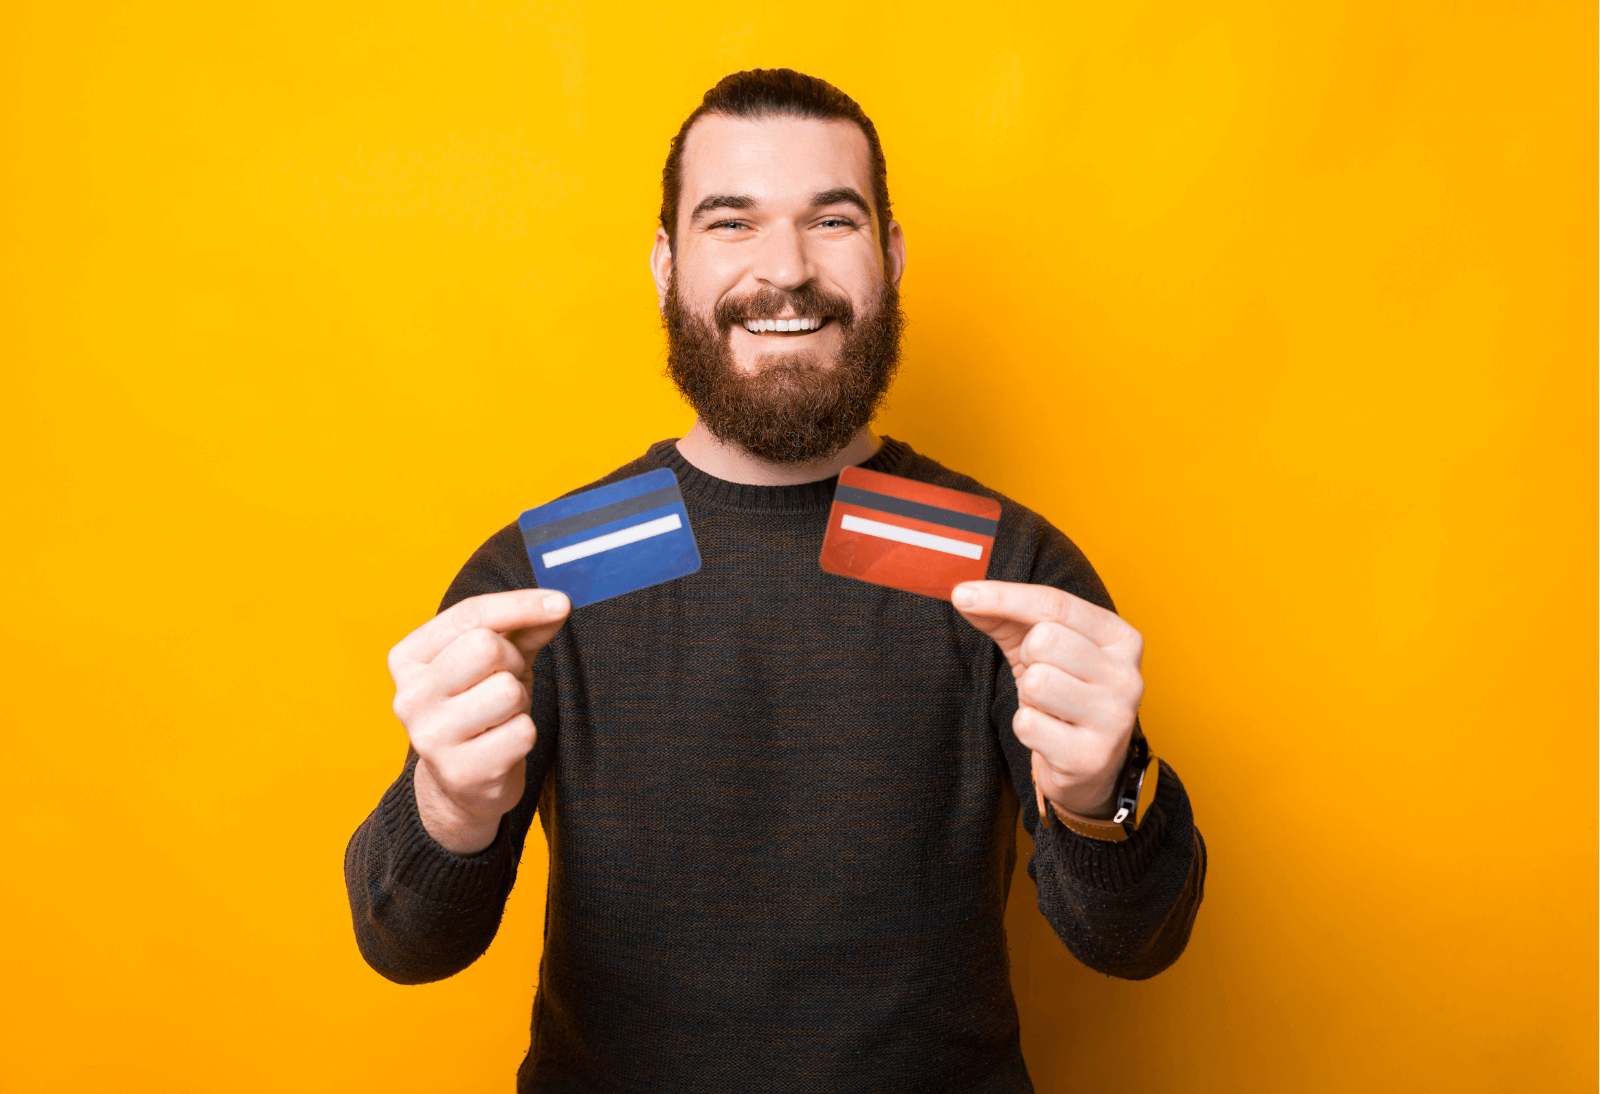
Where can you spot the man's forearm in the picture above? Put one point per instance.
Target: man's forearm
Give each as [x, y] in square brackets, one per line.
[1125, 909]
[422, 913]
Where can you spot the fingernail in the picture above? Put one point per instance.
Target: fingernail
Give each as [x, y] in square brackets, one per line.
[964, 596]
[555, 603]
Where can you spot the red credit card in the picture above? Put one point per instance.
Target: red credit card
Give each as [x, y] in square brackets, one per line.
[908, 535]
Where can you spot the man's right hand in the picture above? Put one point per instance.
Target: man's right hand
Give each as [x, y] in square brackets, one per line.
[462, 683]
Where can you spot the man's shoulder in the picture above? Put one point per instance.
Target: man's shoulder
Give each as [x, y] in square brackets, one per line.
[501, 563]
[1027, 547]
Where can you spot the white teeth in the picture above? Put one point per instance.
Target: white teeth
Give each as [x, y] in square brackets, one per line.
[757, 326]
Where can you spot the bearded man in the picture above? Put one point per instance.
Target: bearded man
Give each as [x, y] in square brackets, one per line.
[781, 804]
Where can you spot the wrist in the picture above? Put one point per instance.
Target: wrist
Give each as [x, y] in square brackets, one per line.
[451, 826]
[1096, 803]
[1133, 791]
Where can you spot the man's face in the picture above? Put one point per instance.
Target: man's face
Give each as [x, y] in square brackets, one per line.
[779, 301]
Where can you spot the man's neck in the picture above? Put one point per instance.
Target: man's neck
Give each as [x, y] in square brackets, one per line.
[731, 463]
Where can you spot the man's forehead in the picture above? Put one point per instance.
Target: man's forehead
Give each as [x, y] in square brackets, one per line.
[777, 159]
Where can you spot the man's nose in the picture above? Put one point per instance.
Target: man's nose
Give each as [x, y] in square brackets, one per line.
[782, 261]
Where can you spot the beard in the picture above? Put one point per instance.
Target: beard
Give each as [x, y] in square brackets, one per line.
[794, 408]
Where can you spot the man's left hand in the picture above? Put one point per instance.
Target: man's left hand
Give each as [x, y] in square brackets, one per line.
[1078, 685]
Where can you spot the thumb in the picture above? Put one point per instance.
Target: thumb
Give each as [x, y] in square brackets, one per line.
[530, 640]
[1007, 632]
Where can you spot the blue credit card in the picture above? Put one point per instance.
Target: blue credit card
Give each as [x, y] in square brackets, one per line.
[612, 540]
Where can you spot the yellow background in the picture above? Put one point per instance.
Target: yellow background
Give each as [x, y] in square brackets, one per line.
[1284, 311]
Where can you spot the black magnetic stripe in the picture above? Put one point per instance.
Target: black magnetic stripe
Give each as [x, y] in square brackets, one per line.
[900, 507]
[617, 510]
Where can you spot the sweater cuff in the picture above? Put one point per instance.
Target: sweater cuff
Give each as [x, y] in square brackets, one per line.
[419, 863]
[1117, 867]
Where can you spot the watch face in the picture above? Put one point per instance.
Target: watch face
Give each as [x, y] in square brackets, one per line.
[1133, 770]
[1147, 789]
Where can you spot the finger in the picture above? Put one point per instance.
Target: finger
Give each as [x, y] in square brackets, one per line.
[1059, 645]
[486, 774]
[530, 640]
[1068, 699]
[1067, 752]
[485, 761]
[516, 610]
[474, 656]
[462, 717]
[1059, 742]
[990, 604]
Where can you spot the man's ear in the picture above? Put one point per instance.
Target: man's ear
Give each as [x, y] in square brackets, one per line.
[895, 255]
[661, 265]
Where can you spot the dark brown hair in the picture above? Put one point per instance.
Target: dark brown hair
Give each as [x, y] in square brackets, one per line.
[775, 92]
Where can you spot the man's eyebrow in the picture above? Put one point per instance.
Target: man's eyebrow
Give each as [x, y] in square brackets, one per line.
[723, 201]
[847, 195]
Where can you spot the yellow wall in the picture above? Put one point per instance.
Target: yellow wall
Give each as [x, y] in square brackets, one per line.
[1286, 312]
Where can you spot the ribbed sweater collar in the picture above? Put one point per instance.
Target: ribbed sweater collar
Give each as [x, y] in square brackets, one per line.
[802, 498]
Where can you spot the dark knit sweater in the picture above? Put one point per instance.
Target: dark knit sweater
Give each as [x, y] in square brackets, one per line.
[781, 808]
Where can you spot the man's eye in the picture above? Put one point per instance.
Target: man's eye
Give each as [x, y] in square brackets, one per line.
[729, 224]
[837, 222]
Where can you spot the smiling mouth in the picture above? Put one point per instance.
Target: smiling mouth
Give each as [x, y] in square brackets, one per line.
[805, 325]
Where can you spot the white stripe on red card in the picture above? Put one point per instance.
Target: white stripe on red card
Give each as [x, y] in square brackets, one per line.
[851, 523]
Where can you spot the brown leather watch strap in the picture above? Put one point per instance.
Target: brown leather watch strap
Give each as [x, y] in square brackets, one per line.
[1107, 830]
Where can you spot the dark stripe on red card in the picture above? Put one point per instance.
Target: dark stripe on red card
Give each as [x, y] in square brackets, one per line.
[907, 534]
[605, 514]
[916, 510]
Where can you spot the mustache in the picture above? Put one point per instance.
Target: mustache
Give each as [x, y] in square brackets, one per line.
[769, 303]
[798, 408]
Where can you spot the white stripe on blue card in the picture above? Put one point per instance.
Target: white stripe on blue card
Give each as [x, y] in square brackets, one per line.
[659, 526]
[612, 540]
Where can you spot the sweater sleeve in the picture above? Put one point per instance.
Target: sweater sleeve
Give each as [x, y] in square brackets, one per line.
[422, 913]
[1124, 909]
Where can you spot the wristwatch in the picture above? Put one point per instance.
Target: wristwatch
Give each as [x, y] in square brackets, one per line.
[1136, 789]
